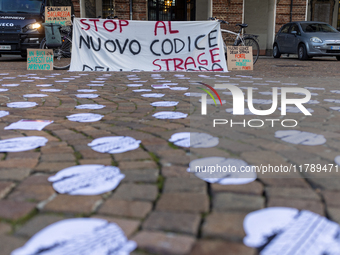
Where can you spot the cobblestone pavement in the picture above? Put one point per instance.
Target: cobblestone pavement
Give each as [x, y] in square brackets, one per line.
[158, 204]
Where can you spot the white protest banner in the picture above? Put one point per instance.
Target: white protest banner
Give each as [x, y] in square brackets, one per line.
[126, 45]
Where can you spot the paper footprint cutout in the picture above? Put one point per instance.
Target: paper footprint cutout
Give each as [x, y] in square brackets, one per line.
[280, 230]
[114, 144]
[80, 236]
[194, 140]
[233, 174]
[22, 143]
[86, 179]
[300, 137]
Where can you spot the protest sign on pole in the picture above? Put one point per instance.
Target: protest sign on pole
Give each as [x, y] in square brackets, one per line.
[39, 59]
[240, 57]
[126, 45]
[58, 14]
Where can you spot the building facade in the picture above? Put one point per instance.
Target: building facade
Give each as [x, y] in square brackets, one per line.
[264, 17]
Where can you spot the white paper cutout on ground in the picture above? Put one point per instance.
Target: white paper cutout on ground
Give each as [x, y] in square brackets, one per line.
[135, 85]
[44, 85]
[293, 109]
[114, 144]
[87, 95]
[97, 81]
[86, 90]
[3, 90]
[50, 90]
[332, 100]
[211, 101]
[62, 81]
[335, 108]
[131, 79]
[248, 81]
[335, 91]
[170, 115]
[69, 78]
[312, 94]
[300, 137]
[268, 93]
[156, 95]
[95, 85]
[164, 103]
[170, 84]
[246, 111]
[22, 143]
[202, 169]
[337, 160]
[27, 80]
[289, 84]
[35, 95]
[193, 94]
[314, 88]
[21, 104]
[246, 88]
[86, 179]
[3, 113]
[194, 140]
[261, 84]
[10, 85]
[142, 90]
[273, 81]
[179, 88]
[85, 117]
[90, 106]
[161, 86]
[283, 230]
[9, 78]
[30, 124]
[79, 236]
[312, 102]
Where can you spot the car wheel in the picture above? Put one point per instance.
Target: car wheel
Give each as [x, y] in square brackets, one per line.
[302, 52]
[276, 51]
[338, 58]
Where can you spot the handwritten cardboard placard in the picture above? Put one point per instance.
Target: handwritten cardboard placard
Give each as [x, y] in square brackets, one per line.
[240, 58]
[58, 14]
[39, 59]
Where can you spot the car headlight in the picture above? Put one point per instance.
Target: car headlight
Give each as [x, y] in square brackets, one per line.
[33, 26]
[316, 39]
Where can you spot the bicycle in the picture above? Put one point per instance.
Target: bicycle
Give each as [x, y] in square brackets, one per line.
[241, 39]
[62, 54]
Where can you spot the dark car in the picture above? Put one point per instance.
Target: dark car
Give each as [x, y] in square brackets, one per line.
[307, 39]
[20, 24]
